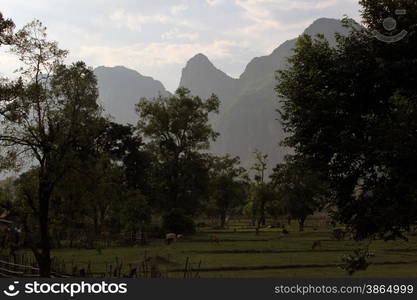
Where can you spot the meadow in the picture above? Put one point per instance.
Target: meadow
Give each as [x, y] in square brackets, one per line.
[238, 252]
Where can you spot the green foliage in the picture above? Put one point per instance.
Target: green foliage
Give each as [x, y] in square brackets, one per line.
[260, 166]
[351, 112]
[105, 191]
[125, 146]
[178, 222]
[374, 13]
[301, 191]
[8, 196]
[357, 261]
[261, 196]
[228, 187]
[178, 124]
[136, 212]
[49, 115]
[262, 193]
[6, 30]
[275, 208]
[178, 131]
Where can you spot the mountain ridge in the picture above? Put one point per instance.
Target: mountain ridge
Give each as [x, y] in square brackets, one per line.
[118, 85]
[248, 119]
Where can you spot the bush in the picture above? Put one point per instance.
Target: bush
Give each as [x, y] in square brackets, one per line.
[357, 261]
[178, 222]
[155, 231]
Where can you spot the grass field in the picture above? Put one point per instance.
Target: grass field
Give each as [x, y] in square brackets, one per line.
[241, 253]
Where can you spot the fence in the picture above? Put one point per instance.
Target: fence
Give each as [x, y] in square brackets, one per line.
[150, 267]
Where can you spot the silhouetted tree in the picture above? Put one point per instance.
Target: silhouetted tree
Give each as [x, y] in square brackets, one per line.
[124, 145]
[135, 213]
[301, 191]
[49, 116]
[261, 191]
[178, 132]
[228, 187]
[6, 31]
[351, 112]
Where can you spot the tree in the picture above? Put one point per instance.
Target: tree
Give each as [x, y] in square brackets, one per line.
[275, 208]
[262, 195]
[6, 38]
[119, 174]
[135, 213]
[260, 166]
[6, 31]
[301, 191]
[351, 112]
[228, 185]
[124, 146]
[104, 192]
[70, 208]
[50, 116]
[7, 195]
[178, 132]
[261, 191]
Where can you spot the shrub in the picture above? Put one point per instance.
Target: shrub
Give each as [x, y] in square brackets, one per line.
[178, 222]
[155, 231]
[357, 261]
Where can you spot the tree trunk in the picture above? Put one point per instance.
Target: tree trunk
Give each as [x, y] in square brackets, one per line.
[259, 225]
[96, 223]
[44, 257]
[301, 222]
[101, 218]
[253, 219]
[222, 219]
[44, 262]
[262, 219]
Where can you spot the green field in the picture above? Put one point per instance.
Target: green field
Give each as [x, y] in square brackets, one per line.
[241, 253]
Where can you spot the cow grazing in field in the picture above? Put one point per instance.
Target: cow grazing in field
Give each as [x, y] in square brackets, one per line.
[172, 237]
[316, 244]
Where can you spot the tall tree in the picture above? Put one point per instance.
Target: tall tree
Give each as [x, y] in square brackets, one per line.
[124, 146]
[261, 191]
[49, 116]
[261, 195]
[351, 111]
[228, 186]
[6, 31]
[178, 132]
[6, 38]
[260, 166]
[106, 189]
[301, 191]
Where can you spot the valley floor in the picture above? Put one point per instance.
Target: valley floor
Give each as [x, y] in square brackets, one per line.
[241, 253]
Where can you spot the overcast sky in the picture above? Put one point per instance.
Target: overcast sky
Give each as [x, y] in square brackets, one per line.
[157, 37]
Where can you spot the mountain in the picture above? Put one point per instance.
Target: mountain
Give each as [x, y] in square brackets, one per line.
[265, 66]
[121, 88]
[248, 119]
[204, 79]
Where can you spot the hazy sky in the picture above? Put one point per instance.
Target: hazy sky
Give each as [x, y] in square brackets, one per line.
[157, 37]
